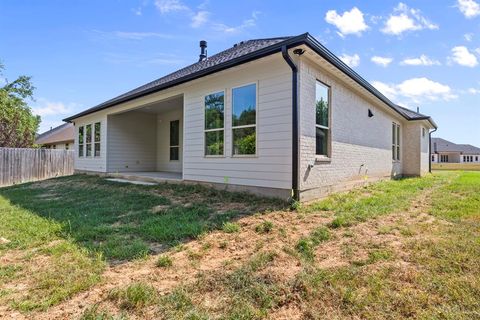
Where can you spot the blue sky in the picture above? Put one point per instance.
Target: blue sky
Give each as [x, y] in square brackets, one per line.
[421, 53]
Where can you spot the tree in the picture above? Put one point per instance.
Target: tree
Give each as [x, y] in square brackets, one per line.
[18, 125]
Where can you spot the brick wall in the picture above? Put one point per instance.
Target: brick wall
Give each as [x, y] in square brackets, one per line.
[361, 147]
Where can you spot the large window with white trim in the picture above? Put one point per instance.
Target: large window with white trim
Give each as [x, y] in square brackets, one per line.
[244, 120]
[215, 124]
[395, 141]
[88, 140]
[97, 139]
[81, 138]
[322, 121]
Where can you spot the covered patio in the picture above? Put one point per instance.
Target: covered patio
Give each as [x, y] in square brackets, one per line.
[145, 144]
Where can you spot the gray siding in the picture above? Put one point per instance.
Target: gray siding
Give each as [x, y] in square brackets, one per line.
[163, 141]
[271, 167]
[132, 142]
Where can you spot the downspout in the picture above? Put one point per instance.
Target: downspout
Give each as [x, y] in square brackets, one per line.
[430, 148]
[288, 59]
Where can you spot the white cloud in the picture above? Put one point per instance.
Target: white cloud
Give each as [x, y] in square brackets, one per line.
[469, 8]
[387, 90]
[351, 22]
[167, 6]
[477, 51]
[352, 61]
[199, 19]
[464, 57]
[44, 107]
[416, 89]
[468, 36]
[423, 60]
[406, 19]
[381, 61]
[473, 91]
[247, 23]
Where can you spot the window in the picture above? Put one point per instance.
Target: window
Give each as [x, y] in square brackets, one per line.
[214, 124]
[67, 146]
[80, 141]
[88, 139]
[476, 158]
[395, 141]
[322, 111]
[433, 158]
[174, 140]
[244, 120]
[444, 158]
[423, 132]
[97, 134]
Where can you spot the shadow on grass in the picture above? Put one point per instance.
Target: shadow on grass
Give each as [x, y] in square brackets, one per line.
[126, 221]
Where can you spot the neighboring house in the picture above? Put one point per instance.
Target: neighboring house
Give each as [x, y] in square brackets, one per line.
[444, 151]
[61, 137]
[279, 116]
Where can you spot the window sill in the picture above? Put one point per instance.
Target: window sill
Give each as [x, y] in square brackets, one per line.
[324, 159]
[244, 156]
[214, 156]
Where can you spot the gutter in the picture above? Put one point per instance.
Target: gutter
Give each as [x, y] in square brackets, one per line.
[288, 59]
[430, 148]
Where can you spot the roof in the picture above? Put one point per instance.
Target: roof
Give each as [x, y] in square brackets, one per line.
[243, 52]
[62, 133]
[442, 145]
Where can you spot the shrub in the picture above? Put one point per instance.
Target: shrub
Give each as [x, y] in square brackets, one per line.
[264, 227]
[164, 262]
[230, 227]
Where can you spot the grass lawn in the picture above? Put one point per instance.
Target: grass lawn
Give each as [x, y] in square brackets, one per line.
[82, 247]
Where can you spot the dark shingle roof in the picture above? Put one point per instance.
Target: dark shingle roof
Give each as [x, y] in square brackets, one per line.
[236, 51]
[243, 52]
[410, 114]
[442, 145]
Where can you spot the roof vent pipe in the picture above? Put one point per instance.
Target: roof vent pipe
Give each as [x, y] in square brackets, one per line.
[203, 50]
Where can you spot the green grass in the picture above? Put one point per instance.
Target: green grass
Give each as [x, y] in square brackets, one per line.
[375, 200]
[117, 219]
[164, 262]
[68, 228]
[458, 199]
[135, 296]
[230, 227]
[264, 227]
[435, 275]
[306, 245]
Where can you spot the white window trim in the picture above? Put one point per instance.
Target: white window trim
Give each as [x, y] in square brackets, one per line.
[95, 142]
[82, 145]
[91, 141]
[255, 155]
[175, 146]
[396, 142]
[324, 157]
[216, 129]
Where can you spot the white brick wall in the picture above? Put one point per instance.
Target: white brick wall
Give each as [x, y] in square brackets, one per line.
[360, 146]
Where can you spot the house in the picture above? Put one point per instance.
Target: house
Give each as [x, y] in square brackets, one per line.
[61, 137]
[280, 117]
[444, 151]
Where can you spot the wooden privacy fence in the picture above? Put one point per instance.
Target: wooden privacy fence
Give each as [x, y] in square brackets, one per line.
[24, 165]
